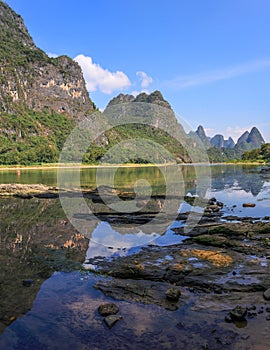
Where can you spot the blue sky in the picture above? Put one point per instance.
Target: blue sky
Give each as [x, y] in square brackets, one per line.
[210, 59]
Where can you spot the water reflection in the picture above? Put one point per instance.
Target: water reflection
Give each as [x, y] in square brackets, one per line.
[237, 177]
[36, 239]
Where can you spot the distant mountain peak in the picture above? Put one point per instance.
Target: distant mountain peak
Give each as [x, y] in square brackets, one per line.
[250, 140]
[247, 141]
[255, 138]
[202, 135]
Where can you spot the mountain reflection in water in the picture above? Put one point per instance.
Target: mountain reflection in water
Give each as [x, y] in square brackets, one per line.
[37, 240]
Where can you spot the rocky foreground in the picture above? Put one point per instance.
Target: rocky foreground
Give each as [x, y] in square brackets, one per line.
[220, 273]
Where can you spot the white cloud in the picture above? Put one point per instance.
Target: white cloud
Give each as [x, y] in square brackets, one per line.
[145, 79]
[52, 55]
[135, 93]
[210, 132]
[98, 78]
[216, 75]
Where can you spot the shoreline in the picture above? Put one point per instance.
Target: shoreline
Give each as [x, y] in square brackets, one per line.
[90, 166]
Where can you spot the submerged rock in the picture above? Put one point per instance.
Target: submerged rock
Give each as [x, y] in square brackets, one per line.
[238, 313]
[173, 294]
[108, 309]
[111, 320]
[248, 205]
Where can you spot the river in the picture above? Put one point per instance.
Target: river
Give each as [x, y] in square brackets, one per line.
[58, 309]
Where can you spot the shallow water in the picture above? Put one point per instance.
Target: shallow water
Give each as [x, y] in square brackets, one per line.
[64, 312]
[64, 316]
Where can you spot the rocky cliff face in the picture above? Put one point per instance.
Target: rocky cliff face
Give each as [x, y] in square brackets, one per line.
[29, 78]
[219, 141]
[155, 97]
[201, 134]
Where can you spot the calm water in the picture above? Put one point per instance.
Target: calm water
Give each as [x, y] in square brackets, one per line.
[63, 314]
[231, 184]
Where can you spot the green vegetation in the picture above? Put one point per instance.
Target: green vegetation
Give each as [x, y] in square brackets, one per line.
[258, 155]
[222, 155]
[131, 143]
[32, 138]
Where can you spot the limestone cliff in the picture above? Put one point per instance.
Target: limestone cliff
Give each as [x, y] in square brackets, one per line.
[29, 78]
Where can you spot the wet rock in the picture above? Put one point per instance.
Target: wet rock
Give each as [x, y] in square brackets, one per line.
[173, 294]
[238, 313]
[214, 207]
[108, 309]
[142, 291]
[248, 205]
[231, 218]
[27, 282]
[111, 320]
[266, 294]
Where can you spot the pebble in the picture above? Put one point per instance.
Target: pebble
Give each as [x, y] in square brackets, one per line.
[248, 205]
[180, 325]
[111, 320]
[108, 309]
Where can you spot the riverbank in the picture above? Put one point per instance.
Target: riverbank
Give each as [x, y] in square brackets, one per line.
[77, 165]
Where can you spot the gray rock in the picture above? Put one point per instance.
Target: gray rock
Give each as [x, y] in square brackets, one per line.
[111, 320]
[266, 294]
[108, 309]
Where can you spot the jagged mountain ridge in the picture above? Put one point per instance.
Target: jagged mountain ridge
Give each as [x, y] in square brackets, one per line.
[247, 141]
[154, 97]
[219, 141]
